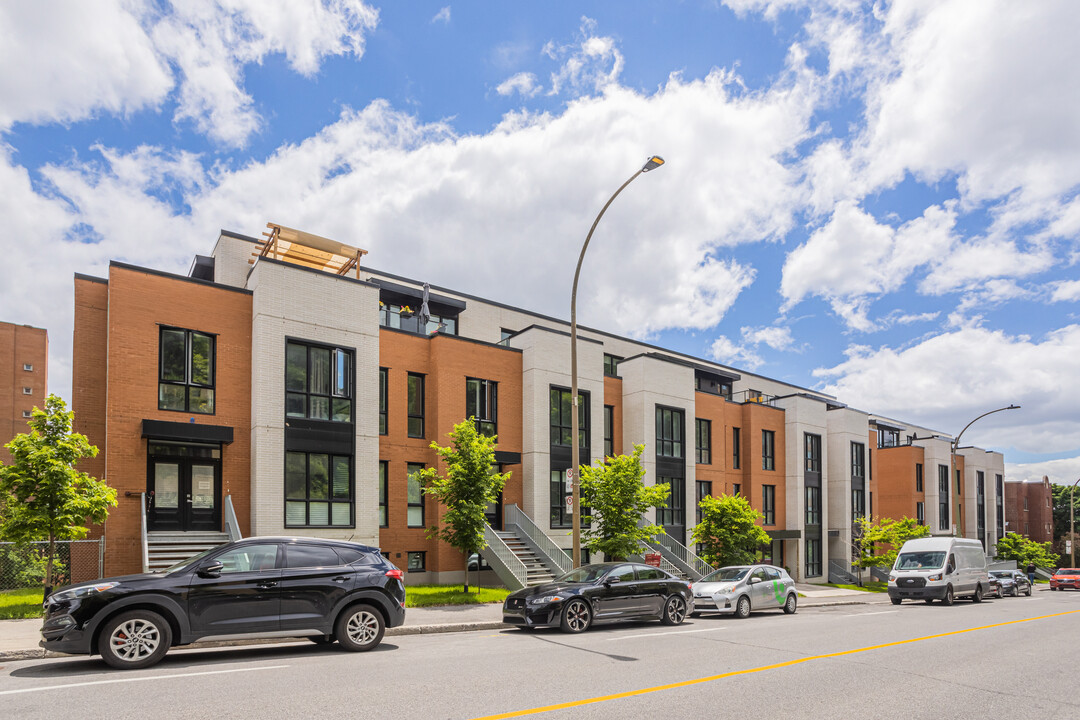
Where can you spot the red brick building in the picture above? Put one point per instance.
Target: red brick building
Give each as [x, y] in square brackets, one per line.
[1029, 509]
[24, 374]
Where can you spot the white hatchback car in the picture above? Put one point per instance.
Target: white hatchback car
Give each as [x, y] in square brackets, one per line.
[741, 588]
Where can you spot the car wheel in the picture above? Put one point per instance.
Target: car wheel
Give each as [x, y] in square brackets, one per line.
[742, 607]
[977, 597]
[674, 611]
[792, 604]
[896, 601]
[576, 617]
[1028, 593]
[135, 639]
[359, 628]
[948, 599]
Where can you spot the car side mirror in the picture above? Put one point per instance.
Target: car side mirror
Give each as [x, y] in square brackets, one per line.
[211, 570]
[753, 581]
[612, 580]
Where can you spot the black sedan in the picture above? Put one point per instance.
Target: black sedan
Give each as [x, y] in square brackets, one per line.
[327, 590]
[600, 593]
[1013, 582]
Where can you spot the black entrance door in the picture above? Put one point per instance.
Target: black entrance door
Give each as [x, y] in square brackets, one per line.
[494, 513]
[186, 484]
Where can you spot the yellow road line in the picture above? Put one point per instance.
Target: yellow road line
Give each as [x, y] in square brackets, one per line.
[711, 678]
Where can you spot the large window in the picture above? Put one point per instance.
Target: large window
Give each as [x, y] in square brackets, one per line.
[415, 512]
[482, 403]
[858, 460]
[318, 382]
[318, 490]
[703, 433]
[812, 445]
[813, 505]
[609, 430]
[813, 557]
[735, 447]
[704, 490]
[416, 405]
[406, 317]
[611, 365]
[186, 371]
[888, 437]
[560, 489]
[999, 487]
[384, 496]
[384, 404]
[768, 448]
[768, 504]
[858, 504]
[561, 419]
[674, 515]
[669, 432]
[943, 497]
[980, 505]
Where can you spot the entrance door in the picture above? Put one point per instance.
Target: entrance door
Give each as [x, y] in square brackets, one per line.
[494, 513]
[185, 482]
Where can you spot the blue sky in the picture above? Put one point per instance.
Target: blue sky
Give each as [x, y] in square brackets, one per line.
[877, 203]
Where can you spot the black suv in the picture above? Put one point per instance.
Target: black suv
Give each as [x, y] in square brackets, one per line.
[323, 589]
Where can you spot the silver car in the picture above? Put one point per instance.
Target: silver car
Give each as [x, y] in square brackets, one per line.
[741, 588]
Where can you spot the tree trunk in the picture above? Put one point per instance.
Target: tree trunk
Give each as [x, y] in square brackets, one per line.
[49, 567]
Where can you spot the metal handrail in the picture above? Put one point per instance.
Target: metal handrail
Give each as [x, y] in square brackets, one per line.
[544, 546]
[508, 566]
[232, 527]
[142, 534]
[682, 556]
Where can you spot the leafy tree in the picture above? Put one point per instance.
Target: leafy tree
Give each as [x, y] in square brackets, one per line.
[467, 489]
[729, 533]
[876, 543]
[1015, 546]
[42, 495]
[1060, 495]
[618, 499]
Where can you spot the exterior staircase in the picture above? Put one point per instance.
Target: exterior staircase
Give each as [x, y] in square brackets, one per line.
[165, 549]
[537, 573]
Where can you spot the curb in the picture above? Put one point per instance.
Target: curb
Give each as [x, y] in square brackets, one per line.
[39, 653]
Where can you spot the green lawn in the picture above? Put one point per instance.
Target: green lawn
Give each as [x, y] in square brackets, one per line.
[20, 604]
[873, 586]
[429, 595]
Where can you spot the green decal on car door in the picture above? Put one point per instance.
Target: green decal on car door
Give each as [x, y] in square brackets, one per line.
[778, 591]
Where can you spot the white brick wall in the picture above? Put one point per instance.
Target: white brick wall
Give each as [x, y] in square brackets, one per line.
[844, 426]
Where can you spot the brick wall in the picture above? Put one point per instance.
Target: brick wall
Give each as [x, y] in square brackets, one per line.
[20, 345]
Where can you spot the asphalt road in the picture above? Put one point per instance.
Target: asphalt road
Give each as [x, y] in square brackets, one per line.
[1013, 658]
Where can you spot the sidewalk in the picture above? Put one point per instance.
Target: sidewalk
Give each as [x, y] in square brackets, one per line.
[19, 638]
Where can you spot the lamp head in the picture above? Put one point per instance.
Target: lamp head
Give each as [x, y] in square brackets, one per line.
[652, 163]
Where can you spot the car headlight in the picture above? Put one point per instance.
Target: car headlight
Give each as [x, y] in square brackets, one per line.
[934, 577]
[545, 599]
[892, 578]
[81, 591]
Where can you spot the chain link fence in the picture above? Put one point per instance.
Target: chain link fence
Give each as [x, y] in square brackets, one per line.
[23, 566]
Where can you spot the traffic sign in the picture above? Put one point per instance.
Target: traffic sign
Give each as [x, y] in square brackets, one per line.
[569, 503]
[569, 473]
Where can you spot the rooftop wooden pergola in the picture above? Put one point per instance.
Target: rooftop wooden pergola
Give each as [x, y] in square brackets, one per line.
[301, 248]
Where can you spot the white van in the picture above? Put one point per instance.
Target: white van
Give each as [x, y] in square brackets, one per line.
[939, 568]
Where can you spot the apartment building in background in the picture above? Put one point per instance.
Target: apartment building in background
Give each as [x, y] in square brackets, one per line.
[1029, 509]
[282, 389]
[24, 374]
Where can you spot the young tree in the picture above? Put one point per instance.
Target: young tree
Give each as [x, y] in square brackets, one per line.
[729, 533]
[877, 543]
[468, 488]
[42, 495]
[617, 500]
[1015, 546]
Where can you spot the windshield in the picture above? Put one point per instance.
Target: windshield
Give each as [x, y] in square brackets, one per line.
[728, 574]
[1067, 571]
[187, 563]
[930, 560]
[585, 574]
[1001, 573]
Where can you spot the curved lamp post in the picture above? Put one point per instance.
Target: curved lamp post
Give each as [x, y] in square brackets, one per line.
[651, 164]
[956, 442]
[1072, 527]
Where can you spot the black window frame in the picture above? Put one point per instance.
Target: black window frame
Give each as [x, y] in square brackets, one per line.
[858, 460]
[609, 430]
[813, 557]
[384, 494]
[412, 416]
[919, 477]
[943, 497]
[920, 512]
[768, 504]
[560, 420]
[813, 505]
[674, 515]
[410, 470]
[703, 489]
[188, 382]
[483, 397]
[384, 401]
[329, 500]
[736, 448]
[703, 441]
[421, 554]
[768, 450]
[858, 504]
[812, 452]
[334, 396]
[670, 445]
[611, 365]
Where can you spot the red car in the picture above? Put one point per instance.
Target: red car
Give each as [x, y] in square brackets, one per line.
[1065, 578]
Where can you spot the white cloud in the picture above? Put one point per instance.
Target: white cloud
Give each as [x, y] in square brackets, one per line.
[1063, 471]
[588, 65]
[946, 380]
[776, 337]
[973, 263]
[442, 16]
[1066, 291]
[728, 352]
[523, 83]
[77, 58]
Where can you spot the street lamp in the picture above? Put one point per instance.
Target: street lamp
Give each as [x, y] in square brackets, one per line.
[1072, 527]
[651, 164]
[956, 442]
